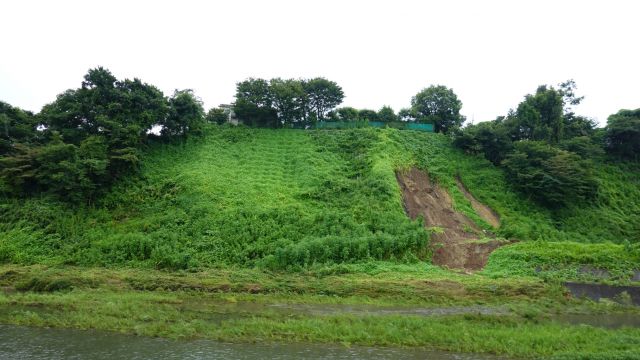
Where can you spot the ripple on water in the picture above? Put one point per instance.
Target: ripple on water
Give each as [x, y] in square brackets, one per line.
[17, 342]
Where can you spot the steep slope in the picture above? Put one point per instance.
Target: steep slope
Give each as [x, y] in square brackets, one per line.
[293, 198]
[457, 242]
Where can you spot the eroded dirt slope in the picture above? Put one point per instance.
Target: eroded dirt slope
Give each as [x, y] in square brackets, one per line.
[456, 244]
[485, 212]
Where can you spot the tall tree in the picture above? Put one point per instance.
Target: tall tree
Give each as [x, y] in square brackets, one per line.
[406, 114]
[623, 134]
[186, 116]
[346, 113]
[368, 115]
[323, 96]
[438, 105]
[549, 103]
[386, 114]
[89, 136]
[288, 97]
[217, 116]
[16, 126]
[254, 102]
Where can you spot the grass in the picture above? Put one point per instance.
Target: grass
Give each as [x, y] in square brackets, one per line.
[565, 261]
[265, 217]
[289, 199]
[247, 305]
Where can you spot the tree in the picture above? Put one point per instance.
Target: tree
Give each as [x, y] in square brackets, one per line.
[367, 115]
[551, 176]
[186, 116]
[287, 97]
[217, 116]
[386, 114]
[254, 102]
[406, 114]
[569, 98]
[347, 113]
[287, 102]
[89, 136]
[105, 106]
[578, 126]
[488, 138]
[323, 95]
[16, 126]
[549, 104]
[622, 137]
[583, 146]
[438, 105]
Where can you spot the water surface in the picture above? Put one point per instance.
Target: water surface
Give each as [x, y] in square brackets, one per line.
[17, 342]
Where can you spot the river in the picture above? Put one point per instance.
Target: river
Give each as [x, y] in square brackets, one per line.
[18, 342]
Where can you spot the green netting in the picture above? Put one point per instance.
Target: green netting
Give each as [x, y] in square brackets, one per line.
[403, 125]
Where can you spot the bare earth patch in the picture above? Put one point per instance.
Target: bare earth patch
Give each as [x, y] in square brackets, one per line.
[485, 212]
[456, 241]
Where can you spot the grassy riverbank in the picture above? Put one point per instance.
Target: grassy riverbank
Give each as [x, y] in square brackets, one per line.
[456, 312]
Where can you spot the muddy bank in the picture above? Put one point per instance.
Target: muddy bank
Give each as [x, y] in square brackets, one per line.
[600, 291]
[456, 242]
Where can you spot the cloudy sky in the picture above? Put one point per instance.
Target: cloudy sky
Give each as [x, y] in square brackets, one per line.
[491, 53]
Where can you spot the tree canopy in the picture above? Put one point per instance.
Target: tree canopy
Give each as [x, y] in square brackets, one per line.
[386, 114]
[89, 136]
[623, 134]
[543, 146]
[438, 105]
[552, 176]
[286, 102]
[322, 96]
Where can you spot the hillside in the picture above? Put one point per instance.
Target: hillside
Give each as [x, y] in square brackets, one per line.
[290, 198]
[248, 235]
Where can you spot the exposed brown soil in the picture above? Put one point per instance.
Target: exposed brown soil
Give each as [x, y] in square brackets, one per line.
[456, 246]
[485, 212]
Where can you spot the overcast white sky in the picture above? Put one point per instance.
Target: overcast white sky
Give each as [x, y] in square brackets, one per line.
[491, 53]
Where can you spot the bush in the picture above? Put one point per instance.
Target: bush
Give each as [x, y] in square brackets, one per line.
[488, 138]
[552, 176]
[583, 146]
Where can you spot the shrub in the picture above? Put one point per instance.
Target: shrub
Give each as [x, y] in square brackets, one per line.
[552, 176]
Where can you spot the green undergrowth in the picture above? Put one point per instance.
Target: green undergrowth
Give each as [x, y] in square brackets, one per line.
[566, 261]
[381, 283]
[526, 332]
[293, 200]
[514, 316]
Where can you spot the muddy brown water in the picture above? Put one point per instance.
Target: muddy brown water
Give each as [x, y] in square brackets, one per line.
[17, 342]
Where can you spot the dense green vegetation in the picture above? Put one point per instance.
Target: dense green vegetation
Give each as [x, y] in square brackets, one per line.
[438, 105]
[90, 136]
[114, 181]
[289, 199]
[356, 306]
[548, 152]
[623, 134]
[285, 103]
